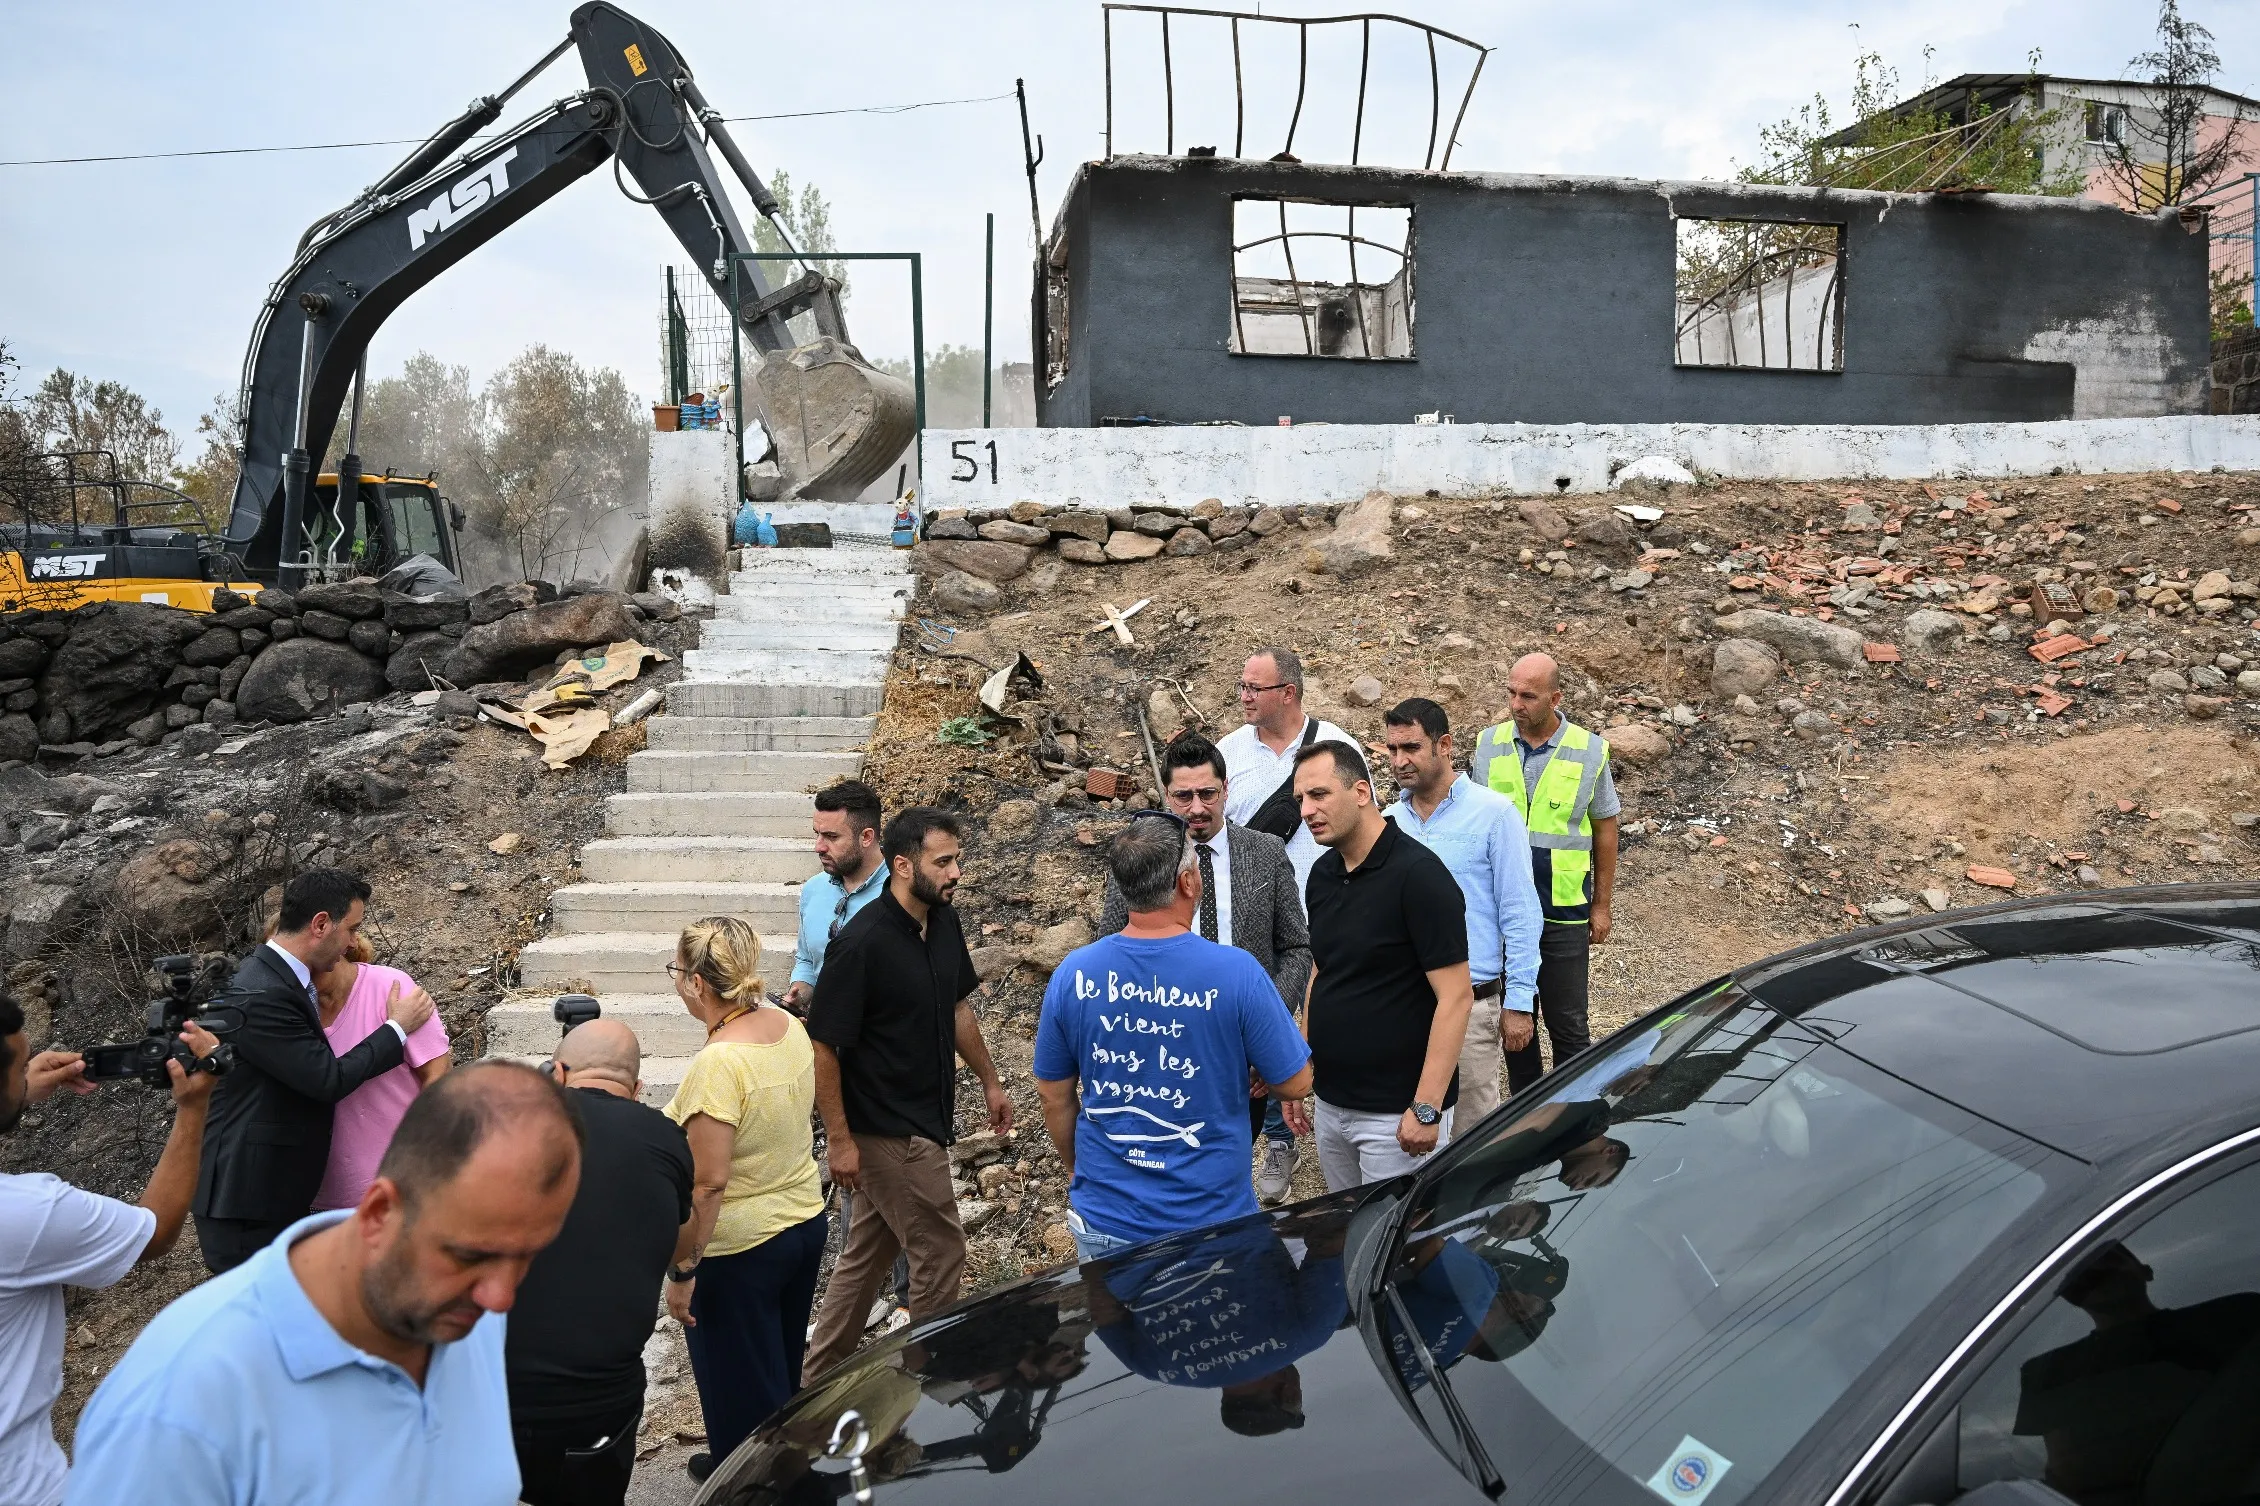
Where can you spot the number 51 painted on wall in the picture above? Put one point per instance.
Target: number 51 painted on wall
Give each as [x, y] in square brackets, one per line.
[972, 462]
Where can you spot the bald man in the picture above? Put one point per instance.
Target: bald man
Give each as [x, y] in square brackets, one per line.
[576, 1339]
[1557, 775]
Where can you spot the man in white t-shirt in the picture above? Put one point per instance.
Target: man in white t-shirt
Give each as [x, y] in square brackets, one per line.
[1259, 758]
[52, 1235]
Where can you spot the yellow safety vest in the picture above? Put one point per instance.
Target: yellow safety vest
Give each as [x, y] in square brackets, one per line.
[1555, 810]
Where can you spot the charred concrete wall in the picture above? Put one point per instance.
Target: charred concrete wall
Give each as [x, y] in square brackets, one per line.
[1552, 300]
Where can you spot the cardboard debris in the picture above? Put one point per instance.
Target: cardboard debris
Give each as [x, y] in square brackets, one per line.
[560, 714]
[997, 688]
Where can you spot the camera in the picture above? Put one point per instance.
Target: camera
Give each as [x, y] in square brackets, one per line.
[161, 1042]
[574, 1009]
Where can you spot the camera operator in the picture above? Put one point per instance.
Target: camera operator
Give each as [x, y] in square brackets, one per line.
[53, 1235]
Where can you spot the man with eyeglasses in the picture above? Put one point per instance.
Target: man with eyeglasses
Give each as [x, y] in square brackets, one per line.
[1259, 758]
[847, 849]
[1250, 899]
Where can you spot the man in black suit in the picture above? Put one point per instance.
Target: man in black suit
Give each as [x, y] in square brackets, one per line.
[1249, 899]
[269, 1135]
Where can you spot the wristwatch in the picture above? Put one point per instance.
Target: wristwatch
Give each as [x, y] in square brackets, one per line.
[1427, 1113]
[682, 1273]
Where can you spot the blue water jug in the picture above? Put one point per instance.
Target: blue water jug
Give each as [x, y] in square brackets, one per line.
[745, 529]
[766, 533]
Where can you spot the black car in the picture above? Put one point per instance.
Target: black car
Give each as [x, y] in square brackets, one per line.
[1884, 1220]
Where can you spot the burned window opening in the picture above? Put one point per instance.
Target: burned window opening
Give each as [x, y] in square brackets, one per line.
[1759, 294]
[1332, 281]
[1055, 312]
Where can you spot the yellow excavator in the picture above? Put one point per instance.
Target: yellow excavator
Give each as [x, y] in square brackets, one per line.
[845, 421]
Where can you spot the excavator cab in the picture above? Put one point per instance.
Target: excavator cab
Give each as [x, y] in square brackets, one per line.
[398, 516]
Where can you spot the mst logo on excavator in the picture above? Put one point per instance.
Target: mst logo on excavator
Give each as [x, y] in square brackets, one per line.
[463, 199]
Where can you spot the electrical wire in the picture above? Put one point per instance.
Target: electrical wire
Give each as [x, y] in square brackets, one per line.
[335, 146]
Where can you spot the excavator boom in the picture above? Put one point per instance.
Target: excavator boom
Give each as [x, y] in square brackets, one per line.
[643, 114]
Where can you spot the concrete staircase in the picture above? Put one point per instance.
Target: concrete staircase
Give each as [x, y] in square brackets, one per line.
[776, 701]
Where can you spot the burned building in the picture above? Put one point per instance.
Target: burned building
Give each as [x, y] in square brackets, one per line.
[1204, 288]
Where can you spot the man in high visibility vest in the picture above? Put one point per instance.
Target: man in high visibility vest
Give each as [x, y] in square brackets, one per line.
[1557, 774]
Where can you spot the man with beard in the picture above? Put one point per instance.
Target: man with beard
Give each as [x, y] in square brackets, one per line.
[846, 824]
[888, 1019]
[359, 1357]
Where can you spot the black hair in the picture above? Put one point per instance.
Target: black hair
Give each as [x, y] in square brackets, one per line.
[1348, 761]
[1189, 750]
[447, 1123]
[11, 1021]
[906, 834]
[858, 800]
[319, 891]
[1421, 712]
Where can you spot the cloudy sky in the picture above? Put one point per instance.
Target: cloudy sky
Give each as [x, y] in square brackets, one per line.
[151, 271]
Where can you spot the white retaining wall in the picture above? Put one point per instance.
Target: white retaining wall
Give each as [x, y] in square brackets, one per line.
[1342, 462]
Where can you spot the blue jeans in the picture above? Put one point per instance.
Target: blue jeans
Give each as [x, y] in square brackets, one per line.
[752, 1310]
[1091, 1244]
[1265, 1119]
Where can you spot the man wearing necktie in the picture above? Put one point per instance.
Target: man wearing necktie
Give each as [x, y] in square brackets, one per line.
[268, 1139]
[1249, 900]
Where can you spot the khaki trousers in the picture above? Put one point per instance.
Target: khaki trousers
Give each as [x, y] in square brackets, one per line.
[904, 1203]
[1480, 1059]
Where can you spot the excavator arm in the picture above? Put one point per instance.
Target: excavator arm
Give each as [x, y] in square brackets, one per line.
[643, 113]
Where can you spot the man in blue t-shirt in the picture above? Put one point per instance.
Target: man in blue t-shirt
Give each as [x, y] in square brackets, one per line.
[1143, 1054]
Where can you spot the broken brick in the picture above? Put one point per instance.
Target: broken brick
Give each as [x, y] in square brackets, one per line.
[1991, 878]
[1881, 653]
[2063, 645]
[2168, 504]
[2052, 704]
[2126, 807]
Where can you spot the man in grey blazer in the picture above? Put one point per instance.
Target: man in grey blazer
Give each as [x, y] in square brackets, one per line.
[1249, 899]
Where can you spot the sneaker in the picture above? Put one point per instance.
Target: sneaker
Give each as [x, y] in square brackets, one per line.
[698, 1467]
[1278, 1173]
[899, 1318]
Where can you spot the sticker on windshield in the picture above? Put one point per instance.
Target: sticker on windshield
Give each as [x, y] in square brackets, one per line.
[1690, 1472]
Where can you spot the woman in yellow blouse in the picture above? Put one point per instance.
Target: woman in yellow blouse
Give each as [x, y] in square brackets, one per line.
[757, 1204]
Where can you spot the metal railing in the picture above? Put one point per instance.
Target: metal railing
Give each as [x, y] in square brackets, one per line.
[1748, 289]
[1305, 307]
[1302, 24]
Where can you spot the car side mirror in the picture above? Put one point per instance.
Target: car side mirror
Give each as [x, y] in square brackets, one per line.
[455, 516]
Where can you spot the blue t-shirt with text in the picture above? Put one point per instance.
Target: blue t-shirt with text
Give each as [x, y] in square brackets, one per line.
[1162, 1032]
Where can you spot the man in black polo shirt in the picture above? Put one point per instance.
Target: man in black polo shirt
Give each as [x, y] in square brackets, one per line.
[889, 1018]
[574, 1353]
[1390, 996]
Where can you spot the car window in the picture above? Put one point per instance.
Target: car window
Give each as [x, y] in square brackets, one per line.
[2139, 1382]
[412, 523]
[1656, 1280]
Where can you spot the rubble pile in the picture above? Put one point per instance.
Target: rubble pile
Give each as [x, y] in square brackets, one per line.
[118, 675]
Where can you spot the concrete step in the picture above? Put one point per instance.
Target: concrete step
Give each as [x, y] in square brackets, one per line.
[839, 634]
[668, 907]
[723, 860]
[654, 772]
[662, 1075]
[735, 813]
[763, 603]
[625, 962]
[755, 698]
[788, 666]
[754, 563]
[524, 1026]
[759, 734]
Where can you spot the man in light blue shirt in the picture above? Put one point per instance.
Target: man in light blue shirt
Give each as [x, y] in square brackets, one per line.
[847, 849]
[358, 1358]
[1482, 840]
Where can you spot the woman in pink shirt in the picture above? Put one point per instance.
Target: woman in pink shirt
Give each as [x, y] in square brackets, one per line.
[354, 996]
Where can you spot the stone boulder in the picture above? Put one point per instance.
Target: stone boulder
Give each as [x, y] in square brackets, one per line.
[1742, 666]
[1926, 628]
[370, 636]
[1053, 943]
[1636, 745]
[19, 738]
[22, 657]
[325, 624]
[412, 614]
[507, 647]
[176, 893]
[305, 678]
[1005, 531]
[499, 601]
[419, 657]
[351, 599]
[1799, 640]
[111, 670]
[1078, 524]
[957, 591]
[1082, 551]
[1124, 546]
[215, 646]
[1187, 542]
[1360, 541]
[990, 559]
[1544, 520]
[952, 528]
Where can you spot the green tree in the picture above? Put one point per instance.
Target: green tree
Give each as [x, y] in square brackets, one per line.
[71, 412]
[807, 219]
[953, 386]
[562, 460]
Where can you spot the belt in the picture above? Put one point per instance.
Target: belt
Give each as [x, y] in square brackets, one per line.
[1490, 990]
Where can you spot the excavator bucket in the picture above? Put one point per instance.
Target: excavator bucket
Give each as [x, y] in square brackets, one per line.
[839, 423]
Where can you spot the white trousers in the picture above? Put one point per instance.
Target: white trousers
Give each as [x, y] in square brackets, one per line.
[1356, 1147]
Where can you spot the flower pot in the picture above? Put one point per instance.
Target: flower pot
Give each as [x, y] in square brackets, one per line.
[666, 417]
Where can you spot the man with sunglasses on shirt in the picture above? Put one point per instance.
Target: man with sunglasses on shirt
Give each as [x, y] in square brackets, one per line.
[847, 849]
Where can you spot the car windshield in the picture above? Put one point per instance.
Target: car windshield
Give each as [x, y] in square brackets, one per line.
[1654, 1279]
